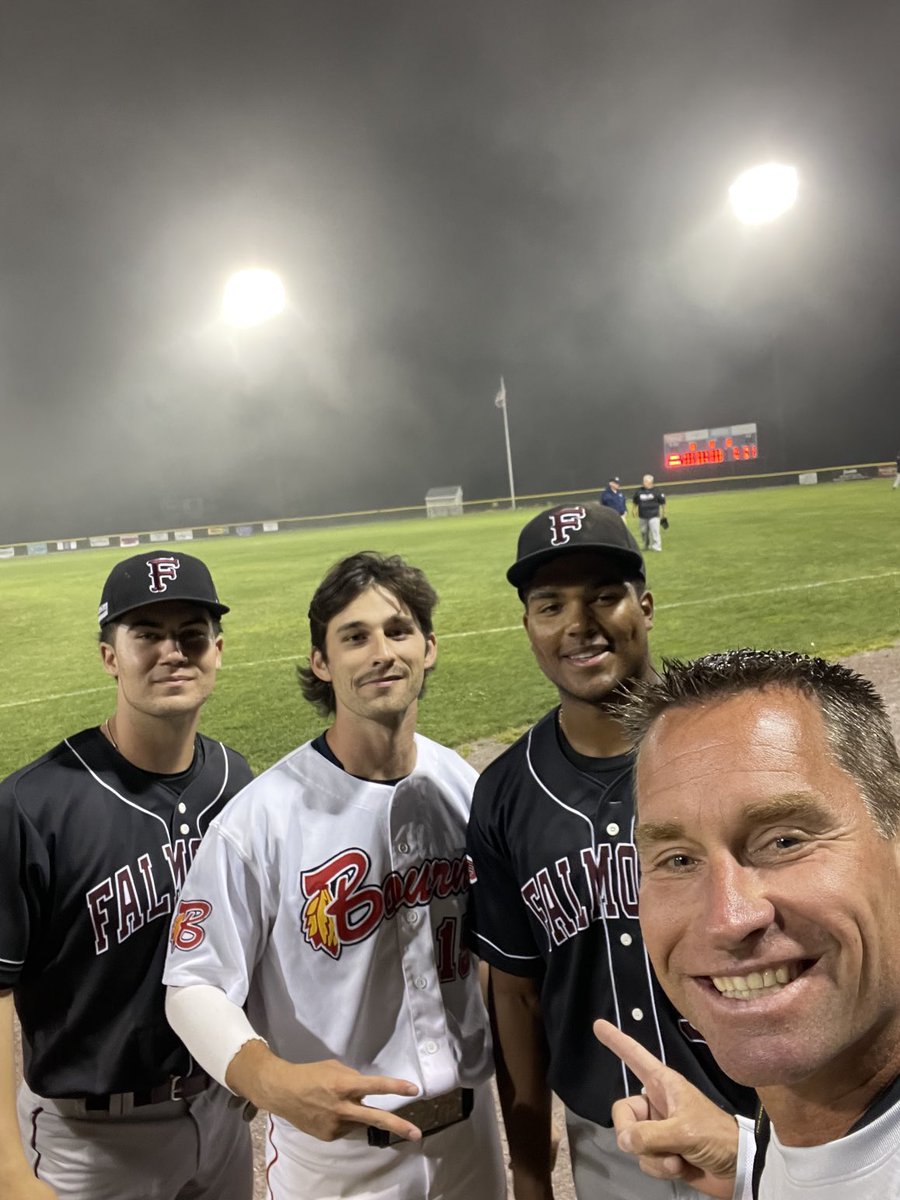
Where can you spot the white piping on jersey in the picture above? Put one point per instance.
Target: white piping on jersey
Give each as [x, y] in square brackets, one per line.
[537, 779]
[506, 953]
[609, 958]
[219, 792]
[118, 795]
[660, 1044]
[590, 825]
[615, 995]
[13, 962]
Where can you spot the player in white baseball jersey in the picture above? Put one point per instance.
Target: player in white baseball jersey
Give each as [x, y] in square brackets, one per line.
[329, 904]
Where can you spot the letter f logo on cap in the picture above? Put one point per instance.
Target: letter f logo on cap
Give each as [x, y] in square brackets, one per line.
[562, 520]
[161, 570]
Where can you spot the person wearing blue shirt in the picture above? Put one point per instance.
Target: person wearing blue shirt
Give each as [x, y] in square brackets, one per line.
[613, 497]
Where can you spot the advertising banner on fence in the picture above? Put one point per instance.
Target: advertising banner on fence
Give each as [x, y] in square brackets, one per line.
[67, 545]
[161, 535]
[270, 526]
[98, 542]
[217, 530]
[243, 530]
[184, 535]
[37, 548]
[7, 551]
[129, 539]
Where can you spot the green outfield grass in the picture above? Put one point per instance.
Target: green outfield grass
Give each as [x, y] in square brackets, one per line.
[813, 568]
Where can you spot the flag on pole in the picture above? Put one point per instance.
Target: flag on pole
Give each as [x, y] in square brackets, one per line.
[500, 398]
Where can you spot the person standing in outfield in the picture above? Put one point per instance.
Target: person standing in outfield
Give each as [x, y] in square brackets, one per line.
[614, 498]
[553, 901]
[649, 505]
[896, 482]
[329, 900]
[96, 837]
[768, 789]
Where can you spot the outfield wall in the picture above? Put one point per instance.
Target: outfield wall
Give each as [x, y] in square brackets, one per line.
[178, 536]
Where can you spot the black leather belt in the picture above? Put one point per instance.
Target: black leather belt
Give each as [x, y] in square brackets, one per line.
[177, 1087]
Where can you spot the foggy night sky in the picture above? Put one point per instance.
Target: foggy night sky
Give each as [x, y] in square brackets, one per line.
[449, 192]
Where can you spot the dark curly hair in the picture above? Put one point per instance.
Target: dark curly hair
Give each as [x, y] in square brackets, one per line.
[857, 726]
[345, 581]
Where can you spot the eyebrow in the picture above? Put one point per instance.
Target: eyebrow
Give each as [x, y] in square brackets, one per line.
[395, 619]
[788, 808]
[549, 591]
[151, 623]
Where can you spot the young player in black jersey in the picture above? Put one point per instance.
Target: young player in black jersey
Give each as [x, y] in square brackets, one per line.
[96, 837]
[554, 877]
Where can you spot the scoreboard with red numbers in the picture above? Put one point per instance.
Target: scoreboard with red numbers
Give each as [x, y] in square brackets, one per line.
[710, 447]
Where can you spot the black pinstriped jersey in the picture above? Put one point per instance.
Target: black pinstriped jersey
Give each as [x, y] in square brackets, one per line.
[554, 896]
[92, 854]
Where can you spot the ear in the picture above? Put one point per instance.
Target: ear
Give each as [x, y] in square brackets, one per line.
[646, 603]
[430, 651]
[220, 642]
[108, 658]
[319, 665]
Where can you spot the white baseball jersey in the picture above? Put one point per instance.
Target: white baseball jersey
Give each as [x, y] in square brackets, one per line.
[332, 907]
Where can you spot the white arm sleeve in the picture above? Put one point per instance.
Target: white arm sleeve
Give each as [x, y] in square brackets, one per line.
[210, 1025]
[743, 1183]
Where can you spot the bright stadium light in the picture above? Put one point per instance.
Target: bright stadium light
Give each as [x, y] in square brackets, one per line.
[764, 193]
[252, 297]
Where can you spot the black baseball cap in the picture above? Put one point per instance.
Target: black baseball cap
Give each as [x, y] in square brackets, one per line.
[154, 576]
[573, 527]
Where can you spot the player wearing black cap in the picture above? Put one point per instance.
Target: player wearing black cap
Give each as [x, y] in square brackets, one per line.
[553, 904]
[96, 837]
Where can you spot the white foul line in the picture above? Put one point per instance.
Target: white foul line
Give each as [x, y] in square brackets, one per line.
[263, 662]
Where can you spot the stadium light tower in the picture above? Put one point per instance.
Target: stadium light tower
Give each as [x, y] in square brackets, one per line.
[764, 193]
[252, 297]
[759, 196]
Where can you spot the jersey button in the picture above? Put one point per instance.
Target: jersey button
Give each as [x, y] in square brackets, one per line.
[412, 918]
[612, 829]
[184, 829]
[182, 808]
[638, 1014]
[421, 982]
[626, 939]
[431, 1047]
[403, 847]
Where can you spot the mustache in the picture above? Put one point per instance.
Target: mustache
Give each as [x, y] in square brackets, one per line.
[376, 676]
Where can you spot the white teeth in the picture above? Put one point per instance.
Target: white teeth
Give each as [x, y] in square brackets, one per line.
[747, 987]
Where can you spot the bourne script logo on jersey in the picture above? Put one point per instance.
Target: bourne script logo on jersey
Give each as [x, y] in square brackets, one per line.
[163, 570]
[563, 521]
[342, 909]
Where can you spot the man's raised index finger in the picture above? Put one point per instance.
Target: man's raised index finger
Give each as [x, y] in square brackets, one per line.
[635, 1057]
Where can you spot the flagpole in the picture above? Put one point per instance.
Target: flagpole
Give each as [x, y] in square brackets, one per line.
[500, 401]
